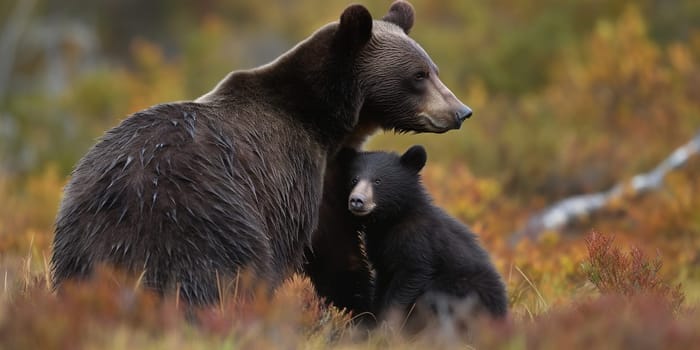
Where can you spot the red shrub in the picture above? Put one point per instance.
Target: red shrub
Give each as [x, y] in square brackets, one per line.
[628, 274]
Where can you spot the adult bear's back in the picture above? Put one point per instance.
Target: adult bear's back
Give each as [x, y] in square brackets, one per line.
[185, 194]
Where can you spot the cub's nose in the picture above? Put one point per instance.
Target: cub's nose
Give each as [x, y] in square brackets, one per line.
[357, 202]
[462, 114]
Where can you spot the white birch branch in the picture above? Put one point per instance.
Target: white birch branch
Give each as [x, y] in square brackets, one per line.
[568, 210]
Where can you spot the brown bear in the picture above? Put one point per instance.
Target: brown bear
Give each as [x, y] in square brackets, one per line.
[336, 262]
[191, 193]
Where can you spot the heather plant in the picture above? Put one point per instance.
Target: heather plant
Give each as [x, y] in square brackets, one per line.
[628, 274]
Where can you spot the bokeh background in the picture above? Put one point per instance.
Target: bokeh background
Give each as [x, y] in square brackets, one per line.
[569, 97]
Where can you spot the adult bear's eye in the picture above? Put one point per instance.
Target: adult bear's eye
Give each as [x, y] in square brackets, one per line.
[377, 181]
[421, 76]
[353, 181]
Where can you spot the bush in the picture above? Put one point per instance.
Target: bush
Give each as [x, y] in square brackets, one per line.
[627, 274]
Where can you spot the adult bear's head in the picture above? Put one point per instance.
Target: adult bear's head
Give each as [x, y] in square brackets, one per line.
[398, 81]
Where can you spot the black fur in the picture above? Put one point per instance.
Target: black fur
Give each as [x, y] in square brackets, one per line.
[191, 193]
[416, 247]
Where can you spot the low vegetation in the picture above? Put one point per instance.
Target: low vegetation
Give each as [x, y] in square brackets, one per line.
[569, 98]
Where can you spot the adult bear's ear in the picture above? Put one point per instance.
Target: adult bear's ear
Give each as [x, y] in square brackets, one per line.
[414, 158]
[401, 13]
[354, 29]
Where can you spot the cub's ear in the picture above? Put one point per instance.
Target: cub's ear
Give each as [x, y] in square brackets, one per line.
[354, 29]
[401, 13]
[414, 158]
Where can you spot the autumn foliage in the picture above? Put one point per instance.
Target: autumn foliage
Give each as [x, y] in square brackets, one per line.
[627, 274]
[569, 97]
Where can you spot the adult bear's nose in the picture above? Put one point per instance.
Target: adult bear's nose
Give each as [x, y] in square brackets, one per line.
[462, 114]
[357, 202]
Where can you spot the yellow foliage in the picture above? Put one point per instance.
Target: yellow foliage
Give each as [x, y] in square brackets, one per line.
[154, 80]
[30, 212]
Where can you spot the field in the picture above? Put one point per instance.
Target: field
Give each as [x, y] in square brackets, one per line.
[569, 98]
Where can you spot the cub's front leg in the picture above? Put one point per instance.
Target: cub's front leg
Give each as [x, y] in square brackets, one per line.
[400, 291]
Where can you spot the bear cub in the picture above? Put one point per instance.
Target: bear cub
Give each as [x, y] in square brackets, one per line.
[416, 248]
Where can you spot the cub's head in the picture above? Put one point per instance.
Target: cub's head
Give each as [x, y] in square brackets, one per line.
[399, 83]
[383, 185]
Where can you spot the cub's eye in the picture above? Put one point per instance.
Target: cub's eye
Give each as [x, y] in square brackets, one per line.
[420, 76]
[353, 181]
[377, 181]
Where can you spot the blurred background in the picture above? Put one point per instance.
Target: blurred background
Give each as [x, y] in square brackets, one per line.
[569, 97]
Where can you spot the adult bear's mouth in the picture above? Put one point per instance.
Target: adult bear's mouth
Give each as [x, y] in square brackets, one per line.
[437, 126]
